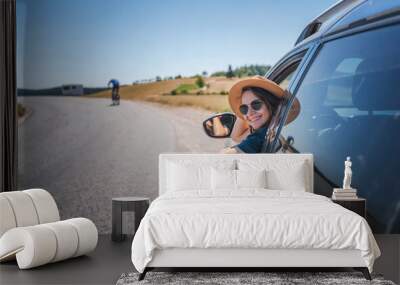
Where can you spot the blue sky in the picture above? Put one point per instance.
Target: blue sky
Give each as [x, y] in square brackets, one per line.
[91, 41]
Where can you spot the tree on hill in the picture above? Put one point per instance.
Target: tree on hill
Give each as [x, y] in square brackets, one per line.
[158, 78]
[229, 73]
[246, 70]
[219, 73]
[204, 73]
[200, 82]
[251, 70]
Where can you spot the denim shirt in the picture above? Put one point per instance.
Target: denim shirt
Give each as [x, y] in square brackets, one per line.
[253, 142]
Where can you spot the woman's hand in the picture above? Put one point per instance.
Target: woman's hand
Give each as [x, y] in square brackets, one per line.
[229, 150]
[219, 129]
[240, 130]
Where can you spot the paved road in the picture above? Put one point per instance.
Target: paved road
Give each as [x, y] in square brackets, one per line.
[85, 152]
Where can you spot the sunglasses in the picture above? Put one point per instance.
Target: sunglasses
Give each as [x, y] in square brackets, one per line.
[255, 105]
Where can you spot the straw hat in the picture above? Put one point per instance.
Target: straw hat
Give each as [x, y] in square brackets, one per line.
[235, 95]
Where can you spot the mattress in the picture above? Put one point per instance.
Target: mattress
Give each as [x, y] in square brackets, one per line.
[251, 219]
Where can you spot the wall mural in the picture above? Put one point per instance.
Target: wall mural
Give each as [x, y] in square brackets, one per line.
[101, 97]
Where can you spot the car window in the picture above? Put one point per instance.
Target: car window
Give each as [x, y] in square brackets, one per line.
[350, 106]
[287, 75]
[283, 78]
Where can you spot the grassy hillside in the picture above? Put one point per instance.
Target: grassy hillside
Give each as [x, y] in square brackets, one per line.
[141, 91]
[160, 92]
[215, 103]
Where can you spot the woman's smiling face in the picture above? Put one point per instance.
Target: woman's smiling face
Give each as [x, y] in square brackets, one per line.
[258, 118]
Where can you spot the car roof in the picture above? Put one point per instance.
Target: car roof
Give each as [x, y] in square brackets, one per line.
[346, 14]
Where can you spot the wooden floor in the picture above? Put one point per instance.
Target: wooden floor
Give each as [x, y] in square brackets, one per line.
[103, 266]
[110, 259]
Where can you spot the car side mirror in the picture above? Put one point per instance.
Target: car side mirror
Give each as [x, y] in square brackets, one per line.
[219, 125]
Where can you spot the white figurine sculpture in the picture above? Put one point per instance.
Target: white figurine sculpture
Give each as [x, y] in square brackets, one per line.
[347, 174]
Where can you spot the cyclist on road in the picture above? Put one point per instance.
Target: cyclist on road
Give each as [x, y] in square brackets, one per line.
[115, 91]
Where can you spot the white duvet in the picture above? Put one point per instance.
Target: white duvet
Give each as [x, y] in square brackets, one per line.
[253, 218]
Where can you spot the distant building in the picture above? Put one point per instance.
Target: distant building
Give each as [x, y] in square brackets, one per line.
[72, 90]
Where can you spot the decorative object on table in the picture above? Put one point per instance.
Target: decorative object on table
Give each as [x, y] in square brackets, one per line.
[347, 192]
[358, 205]
[248, 278]
[31, 231]
[138, 205]
[348, 173]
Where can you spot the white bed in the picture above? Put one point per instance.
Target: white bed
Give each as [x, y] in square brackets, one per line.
[202, 220]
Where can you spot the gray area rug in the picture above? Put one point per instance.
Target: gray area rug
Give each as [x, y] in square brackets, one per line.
[228, 278]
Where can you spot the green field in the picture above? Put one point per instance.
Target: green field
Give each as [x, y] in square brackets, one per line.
[184, 89]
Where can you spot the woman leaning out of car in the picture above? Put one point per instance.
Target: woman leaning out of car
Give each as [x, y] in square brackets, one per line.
[254, 101]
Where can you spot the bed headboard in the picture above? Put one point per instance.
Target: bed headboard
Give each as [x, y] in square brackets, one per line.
[266, 159]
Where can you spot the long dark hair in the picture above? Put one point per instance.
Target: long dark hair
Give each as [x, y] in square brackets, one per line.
[271, 101]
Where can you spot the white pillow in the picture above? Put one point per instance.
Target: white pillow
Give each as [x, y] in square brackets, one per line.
[225, 179]
[292, 179]
[282, 174]
[251, 178]
[188, 175]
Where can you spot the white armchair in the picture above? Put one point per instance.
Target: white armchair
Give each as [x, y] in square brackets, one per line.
[31, 230]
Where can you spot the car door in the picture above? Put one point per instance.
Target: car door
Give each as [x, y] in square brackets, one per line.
[349, 98]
